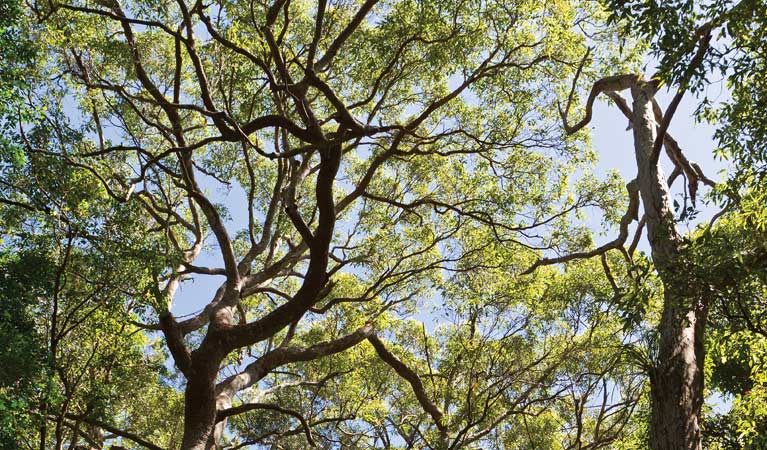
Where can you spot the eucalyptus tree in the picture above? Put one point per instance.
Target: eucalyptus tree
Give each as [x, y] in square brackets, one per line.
[385, 160]
[676, 374]
[691, 40]
[734, 61]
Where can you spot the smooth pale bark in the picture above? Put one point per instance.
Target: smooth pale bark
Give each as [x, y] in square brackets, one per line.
[677, 380]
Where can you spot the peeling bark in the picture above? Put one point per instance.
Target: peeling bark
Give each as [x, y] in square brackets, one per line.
[676, 382]
[676, 378]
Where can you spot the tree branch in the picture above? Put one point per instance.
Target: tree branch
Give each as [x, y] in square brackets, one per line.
[413, 379]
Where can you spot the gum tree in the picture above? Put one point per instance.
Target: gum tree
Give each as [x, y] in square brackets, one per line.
[380, 157]
[693, 41]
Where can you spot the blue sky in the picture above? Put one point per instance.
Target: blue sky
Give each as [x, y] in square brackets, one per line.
[614, 143]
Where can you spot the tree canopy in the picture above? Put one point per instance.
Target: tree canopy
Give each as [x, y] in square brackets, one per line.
[398, 206]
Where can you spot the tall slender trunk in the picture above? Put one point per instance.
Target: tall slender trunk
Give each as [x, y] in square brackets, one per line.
[676, 383]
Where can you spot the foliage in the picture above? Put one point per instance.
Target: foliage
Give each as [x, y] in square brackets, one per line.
[367, 183]
[696, 43]
[733, 254]
[22, 350]
[451, 182]
[736, 55]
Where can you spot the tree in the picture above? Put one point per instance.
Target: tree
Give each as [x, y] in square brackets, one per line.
[394, 200]
[676, 378]
[73, 364]
[369, 185]
[681, 34]
[20, 344]
[734, 252]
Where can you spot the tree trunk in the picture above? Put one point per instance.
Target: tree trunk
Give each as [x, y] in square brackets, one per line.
[676, 385]
[200, 405]
[676, 382]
